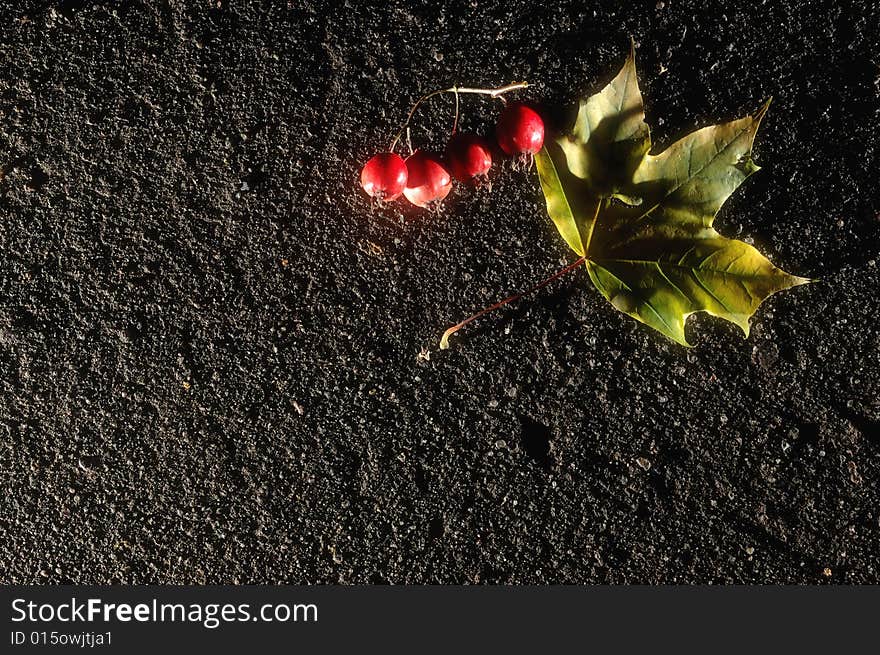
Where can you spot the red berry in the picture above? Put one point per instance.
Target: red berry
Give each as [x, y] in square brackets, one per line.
[384, 176]
[520, 130]
[429, 180]
[469, 157]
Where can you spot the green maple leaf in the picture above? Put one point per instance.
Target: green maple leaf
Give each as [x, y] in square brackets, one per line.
[643, 222]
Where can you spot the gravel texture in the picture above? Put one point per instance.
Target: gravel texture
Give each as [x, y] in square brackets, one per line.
[219, 365]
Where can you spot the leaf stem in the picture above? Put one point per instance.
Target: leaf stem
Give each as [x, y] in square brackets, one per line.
[494, 93]
[444, 340]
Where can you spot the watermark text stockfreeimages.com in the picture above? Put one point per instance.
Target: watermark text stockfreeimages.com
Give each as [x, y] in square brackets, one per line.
[209, 615]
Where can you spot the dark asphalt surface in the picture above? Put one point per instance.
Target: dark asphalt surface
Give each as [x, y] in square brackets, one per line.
[210, 345]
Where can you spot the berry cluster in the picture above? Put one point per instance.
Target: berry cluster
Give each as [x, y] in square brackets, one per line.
[425, 178]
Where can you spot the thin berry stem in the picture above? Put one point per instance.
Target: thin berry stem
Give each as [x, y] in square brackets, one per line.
[444, 340]
[500, 91]
[494, 93]
[455, 120]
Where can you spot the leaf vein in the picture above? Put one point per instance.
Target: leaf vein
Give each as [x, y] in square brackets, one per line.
[699, 280]
[668, 279]
[646, 262]
[692, 176]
